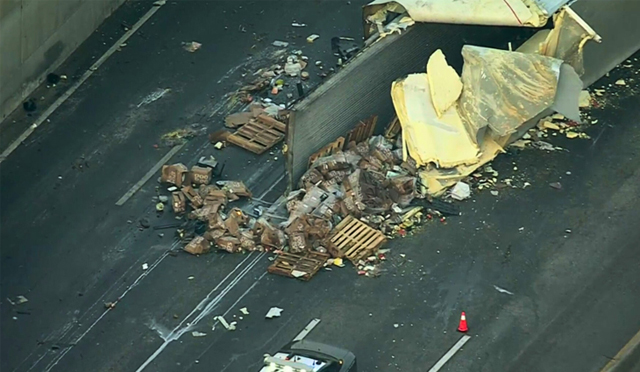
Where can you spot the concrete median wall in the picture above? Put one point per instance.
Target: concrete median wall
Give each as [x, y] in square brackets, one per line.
[36, 36]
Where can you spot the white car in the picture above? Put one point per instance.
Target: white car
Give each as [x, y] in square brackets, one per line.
[309, 356]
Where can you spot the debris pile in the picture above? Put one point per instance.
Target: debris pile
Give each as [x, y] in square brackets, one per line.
[204, 204]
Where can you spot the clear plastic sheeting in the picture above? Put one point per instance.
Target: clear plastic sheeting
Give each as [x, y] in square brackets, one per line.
[522, 13]
[504, 89]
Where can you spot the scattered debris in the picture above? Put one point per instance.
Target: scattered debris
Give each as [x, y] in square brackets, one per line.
[18, 300]
[144, 223]
[584, 101]
[502, 290]
[154, 96]
[461, 191]
[296, 24]
[311, 38]
[29, 105]
[274, 312]
[198, 334]
[211, 162]
[621, 82]
[109, 305]
[228, 326]
[53, 79]
[280, 44]
[244, 311]
[191, 46]
[556, 185]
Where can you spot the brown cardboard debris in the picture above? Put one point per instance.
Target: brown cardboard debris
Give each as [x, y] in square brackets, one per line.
[173, 174]
[193, 196]
[178, 202]
[199, 245]
[199, 175]
[238, 119]
[232, 225]
[213, 235]
[228, 243]
[445, 85]
[236, 188]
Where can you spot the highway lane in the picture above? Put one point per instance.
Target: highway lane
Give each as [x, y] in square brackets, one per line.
[65, 245]
[567, 291]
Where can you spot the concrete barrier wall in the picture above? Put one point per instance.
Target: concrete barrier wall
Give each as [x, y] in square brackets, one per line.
[36, 36]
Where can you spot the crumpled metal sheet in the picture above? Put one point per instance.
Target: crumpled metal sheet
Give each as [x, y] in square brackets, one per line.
[504, 89]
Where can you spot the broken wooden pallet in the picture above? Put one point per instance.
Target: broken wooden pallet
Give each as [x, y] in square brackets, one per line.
[329, 149]
[355, 240]
[259, 135]
[362, 131]
[299, 266]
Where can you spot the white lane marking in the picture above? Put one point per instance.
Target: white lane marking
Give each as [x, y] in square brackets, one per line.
[209, 305]
[69, 326]
[463, 340]
[45, 115]
[306, 330]
[626, 352]
[56, 360]
[271, 187]
[148, 175]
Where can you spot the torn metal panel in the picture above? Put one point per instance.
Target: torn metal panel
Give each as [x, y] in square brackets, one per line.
[567, 100]
[426, 137]
[525, 13]
[504, 89]
[565, 41]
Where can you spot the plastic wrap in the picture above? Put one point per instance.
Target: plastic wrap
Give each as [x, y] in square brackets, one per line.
[503, 89]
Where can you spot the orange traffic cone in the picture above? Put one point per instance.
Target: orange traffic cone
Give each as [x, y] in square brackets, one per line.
[462, 327]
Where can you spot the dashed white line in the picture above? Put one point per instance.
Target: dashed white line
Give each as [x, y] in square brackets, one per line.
[463, 340]
[45, 115]
[148, 175]
[306, 330]
[205, 307]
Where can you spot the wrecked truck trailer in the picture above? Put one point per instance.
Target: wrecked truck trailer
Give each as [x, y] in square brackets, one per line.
[362, 87]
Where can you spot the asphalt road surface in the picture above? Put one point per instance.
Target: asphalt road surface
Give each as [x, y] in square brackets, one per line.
[568, 257]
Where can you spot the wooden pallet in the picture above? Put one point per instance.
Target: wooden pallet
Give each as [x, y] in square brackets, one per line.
[329, 149]
[392, 129]
[362, 131]
[355, 240]
[287, 264]
[259, 135]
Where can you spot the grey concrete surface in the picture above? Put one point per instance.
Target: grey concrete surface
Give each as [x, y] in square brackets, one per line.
[37, 36]
[68, 249]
